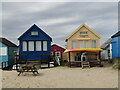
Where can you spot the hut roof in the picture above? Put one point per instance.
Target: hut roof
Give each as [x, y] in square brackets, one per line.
[7, 42]
[84, 50]
[116, 35]
[104, 45]
[58, 46]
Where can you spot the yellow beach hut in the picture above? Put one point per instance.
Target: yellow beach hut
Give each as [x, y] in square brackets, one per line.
[83, 40]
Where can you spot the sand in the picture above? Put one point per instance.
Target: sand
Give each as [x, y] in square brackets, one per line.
[0, 79]
[63, 77]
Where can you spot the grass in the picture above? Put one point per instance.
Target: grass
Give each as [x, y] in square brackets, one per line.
[116, 63]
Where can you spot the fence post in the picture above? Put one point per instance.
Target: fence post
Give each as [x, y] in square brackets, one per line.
[16, 62]
[2, 65]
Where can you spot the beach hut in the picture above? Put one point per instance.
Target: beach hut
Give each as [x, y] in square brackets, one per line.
[107, 47]
[57, 51]
[34, 44]
[7, 55]
[116, 45]
[82, 40]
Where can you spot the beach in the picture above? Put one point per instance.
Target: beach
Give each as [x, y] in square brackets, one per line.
[0, 79]
[63, 77]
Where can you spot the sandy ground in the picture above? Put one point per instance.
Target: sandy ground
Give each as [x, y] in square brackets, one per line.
[0, 79]
[63, 77]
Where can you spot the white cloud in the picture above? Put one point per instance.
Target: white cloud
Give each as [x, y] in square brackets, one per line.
[59, 19]
[55, 21]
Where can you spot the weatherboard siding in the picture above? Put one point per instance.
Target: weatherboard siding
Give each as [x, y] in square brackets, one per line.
[42, 36]
[3, 58]
[11, 55]
[56, 48]
[77, 37]
[116, 47]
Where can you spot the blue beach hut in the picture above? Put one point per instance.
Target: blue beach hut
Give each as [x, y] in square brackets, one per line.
[116, 45]
[34, 43]
[107, 47]
[7, 55]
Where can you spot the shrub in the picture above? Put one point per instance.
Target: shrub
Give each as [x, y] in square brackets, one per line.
[116, 64]
[110, 60]
[64, 63]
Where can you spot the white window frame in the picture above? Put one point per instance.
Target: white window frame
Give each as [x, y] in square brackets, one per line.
[59, 54]
[45, 45]
[86, 44]
[31, 45]
[73, 44]
[34, 33]
[83, 33]
[81, 44]
[52, 53]
[3, 51]
[93, 43]
[24, 46]
[38, 46]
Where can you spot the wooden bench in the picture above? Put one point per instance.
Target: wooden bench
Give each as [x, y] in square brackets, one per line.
[30, 66]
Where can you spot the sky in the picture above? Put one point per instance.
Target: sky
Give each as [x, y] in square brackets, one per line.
[59, 19]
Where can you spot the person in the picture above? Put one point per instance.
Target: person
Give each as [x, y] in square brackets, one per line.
[83, 56]
[84, 61]
[57, 61]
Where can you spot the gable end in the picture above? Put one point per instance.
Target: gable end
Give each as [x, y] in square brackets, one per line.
[30, 29]
[83, 25]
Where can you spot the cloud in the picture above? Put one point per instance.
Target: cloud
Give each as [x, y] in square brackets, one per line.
[59, 19]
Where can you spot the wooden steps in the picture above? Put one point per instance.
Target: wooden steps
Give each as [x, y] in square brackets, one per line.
[85, 64]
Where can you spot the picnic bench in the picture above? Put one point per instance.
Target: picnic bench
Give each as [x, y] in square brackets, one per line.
[23, 64]
[30, 66]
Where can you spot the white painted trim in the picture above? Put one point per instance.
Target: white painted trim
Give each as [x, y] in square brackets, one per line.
[59, 54]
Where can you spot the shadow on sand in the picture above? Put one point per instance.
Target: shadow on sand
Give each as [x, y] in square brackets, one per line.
[30, 74]
[106, 64]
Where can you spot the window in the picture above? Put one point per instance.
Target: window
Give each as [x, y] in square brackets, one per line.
[38, 45]
[81, 44]
[86, 44]
[3, 51]
[93, 43]
[57, 54]
[34, 33]
[73, 44]
[44, 45]
[24, 46]
[83, 32]
[52, 53]
[30, 45]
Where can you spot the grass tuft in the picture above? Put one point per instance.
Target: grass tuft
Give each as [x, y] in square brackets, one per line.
[116, 63]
